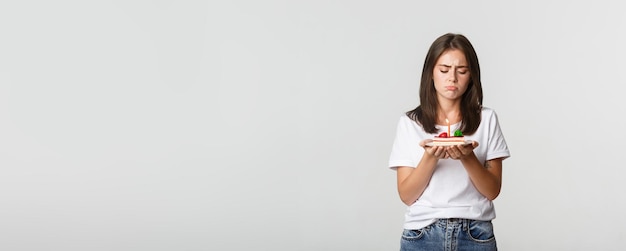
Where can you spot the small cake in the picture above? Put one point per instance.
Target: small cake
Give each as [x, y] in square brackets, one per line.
[444, 140]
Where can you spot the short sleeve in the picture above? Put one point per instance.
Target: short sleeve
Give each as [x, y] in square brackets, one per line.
[497, 147]
[406, 150]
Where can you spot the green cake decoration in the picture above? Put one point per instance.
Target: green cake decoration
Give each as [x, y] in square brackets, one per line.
[458, 133]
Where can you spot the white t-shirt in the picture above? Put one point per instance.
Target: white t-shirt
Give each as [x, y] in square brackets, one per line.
[450, 192]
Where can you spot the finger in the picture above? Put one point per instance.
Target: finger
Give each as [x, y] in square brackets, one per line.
[424, 142]
[448, 153]
[444, 153]
[468, 148]
[452, 156]
[462, 150]
[474, 144]
[440, 151]
[454, 150]
[432, 150]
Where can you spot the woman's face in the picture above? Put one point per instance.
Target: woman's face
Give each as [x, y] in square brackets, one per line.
[451, 75]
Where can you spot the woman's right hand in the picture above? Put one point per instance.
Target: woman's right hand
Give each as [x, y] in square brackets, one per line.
[438, 152]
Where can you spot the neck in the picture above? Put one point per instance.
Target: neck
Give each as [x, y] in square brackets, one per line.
[450, 111]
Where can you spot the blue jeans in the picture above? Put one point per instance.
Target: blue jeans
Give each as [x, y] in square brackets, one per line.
[450, 235]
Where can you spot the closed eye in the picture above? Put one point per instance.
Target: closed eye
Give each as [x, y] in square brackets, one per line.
[460, 72]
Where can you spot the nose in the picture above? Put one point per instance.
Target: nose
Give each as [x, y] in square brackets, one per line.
[453, 77]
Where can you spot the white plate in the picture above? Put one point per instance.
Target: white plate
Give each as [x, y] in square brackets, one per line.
[467, 142]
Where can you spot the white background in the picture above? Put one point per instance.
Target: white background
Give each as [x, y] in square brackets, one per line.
[267, 125]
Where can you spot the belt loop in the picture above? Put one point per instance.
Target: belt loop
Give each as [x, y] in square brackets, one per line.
[442, 222]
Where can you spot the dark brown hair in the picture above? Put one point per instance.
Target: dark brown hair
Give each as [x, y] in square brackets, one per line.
[471, 102]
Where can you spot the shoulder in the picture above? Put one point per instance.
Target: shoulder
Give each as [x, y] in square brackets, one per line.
[407, 125]
[489, 117]
[406, 120]
[488, 113]
[487, 110]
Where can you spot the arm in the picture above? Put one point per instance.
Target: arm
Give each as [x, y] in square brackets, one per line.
[487, 179]
[413, 181]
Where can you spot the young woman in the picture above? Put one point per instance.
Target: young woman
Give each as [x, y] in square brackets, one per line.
[449, 189]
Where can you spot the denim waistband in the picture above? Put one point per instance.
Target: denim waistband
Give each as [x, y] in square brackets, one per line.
[454, 222]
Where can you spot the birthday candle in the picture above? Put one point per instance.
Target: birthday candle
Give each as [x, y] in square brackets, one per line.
[448, 122]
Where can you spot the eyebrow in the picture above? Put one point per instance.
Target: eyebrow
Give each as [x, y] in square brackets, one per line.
[449, 66]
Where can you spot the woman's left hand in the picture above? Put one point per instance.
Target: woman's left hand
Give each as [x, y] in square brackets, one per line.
[461, 151]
